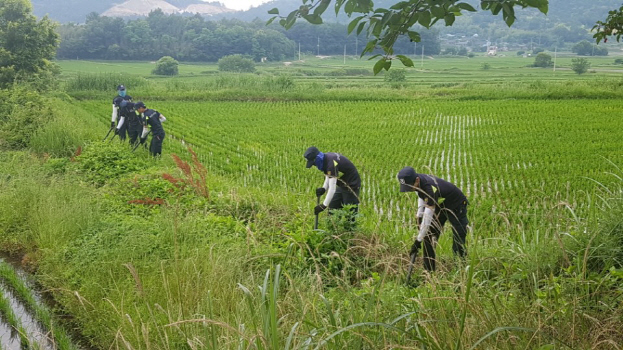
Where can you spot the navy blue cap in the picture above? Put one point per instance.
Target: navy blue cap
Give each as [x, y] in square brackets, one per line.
[139, 104]
[310, 154]
[407, 176]
[120, 87]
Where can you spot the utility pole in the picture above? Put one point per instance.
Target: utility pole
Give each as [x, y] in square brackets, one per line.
[318, 46]
[415, 48]
[555, 55]
[356, 46]
[422, 64]
[344, 54]
[299, 50]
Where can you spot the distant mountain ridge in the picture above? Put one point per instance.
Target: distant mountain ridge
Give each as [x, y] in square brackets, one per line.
[77, 10]
[570, 12]
[136, 8]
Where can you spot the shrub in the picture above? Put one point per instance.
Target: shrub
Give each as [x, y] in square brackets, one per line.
[543, 60]
[167, 65]
[618, 61]
[486, 66]
[580, 65]
[585, 48]
[103, 161]
[236, 63]
[22, 112]
[396, 76]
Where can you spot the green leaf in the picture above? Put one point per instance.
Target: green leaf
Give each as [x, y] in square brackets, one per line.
[373, 57]
[400, 6]
[271, 20]
[388, 64]
[369, 47]
[350, 7]
[465, 6]
[375, 27]
[274, 11]
[424, 19]
[542, 5]
[360, 28]
[291, 19]
[322, 7]
[449, 18]
[406, 61]
[353, 24]
[414, 36]
[508, 13]
[438, 11]
[385, 19]
[380, 64]
[495, 8]
[313, 19]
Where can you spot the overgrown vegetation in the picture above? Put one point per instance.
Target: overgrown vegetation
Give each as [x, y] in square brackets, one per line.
[207, 261]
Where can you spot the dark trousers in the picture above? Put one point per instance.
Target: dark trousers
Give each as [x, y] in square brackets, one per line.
[134, 132]
[345, 196]
[458, 219]
[155, 147]
[123, 131]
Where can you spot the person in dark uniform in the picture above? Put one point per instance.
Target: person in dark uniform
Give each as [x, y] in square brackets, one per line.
[151, 119]
[133, 120]
[342, 182]
[438, 201]
[117, 102]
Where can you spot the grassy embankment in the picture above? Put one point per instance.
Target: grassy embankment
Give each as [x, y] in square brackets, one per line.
[143, 260]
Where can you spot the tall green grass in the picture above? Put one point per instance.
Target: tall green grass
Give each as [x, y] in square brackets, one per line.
[103, 82]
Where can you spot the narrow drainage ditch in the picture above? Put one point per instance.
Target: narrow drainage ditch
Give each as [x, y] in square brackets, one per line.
[26, 321]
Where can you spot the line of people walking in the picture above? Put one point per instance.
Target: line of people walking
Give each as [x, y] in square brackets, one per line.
[135, 121]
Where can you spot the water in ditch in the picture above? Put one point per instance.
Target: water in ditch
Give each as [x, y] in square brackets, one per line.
[34, 334]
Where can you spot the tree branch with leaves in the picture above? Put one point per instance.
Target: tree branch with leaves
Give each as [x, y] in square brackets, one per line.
[612, 26]
[385, 25]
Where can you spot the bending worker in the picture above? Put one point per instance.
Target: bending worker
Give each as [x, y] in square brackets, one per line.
[438, 201]
[342, 182]
[151, 119]
[121, 98]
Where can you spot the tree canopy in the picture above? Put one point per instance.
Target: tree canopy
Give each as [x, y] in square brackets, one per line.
[26, 45]
[385, 25]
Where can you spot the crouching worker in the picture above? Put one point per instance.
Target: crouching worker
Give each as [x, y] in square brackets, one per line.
[438, 202]
[152, 119]
[342, 182]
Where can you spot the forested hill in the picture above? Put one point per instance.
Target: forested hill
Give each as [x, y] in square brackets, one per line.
[569, 12]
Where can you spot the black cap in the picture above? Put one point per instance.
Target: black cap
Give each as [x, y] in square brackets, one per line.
[120, 87]
[310, 155]
[407, 176]
[139, 104]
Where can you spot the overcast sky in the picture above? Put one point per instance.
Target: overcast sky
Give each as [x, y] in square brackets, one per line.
[241, 4]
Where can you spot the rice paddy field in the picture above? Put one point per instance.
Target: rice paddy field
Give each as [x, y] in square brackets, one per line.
[219, 252]
[513, 154]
